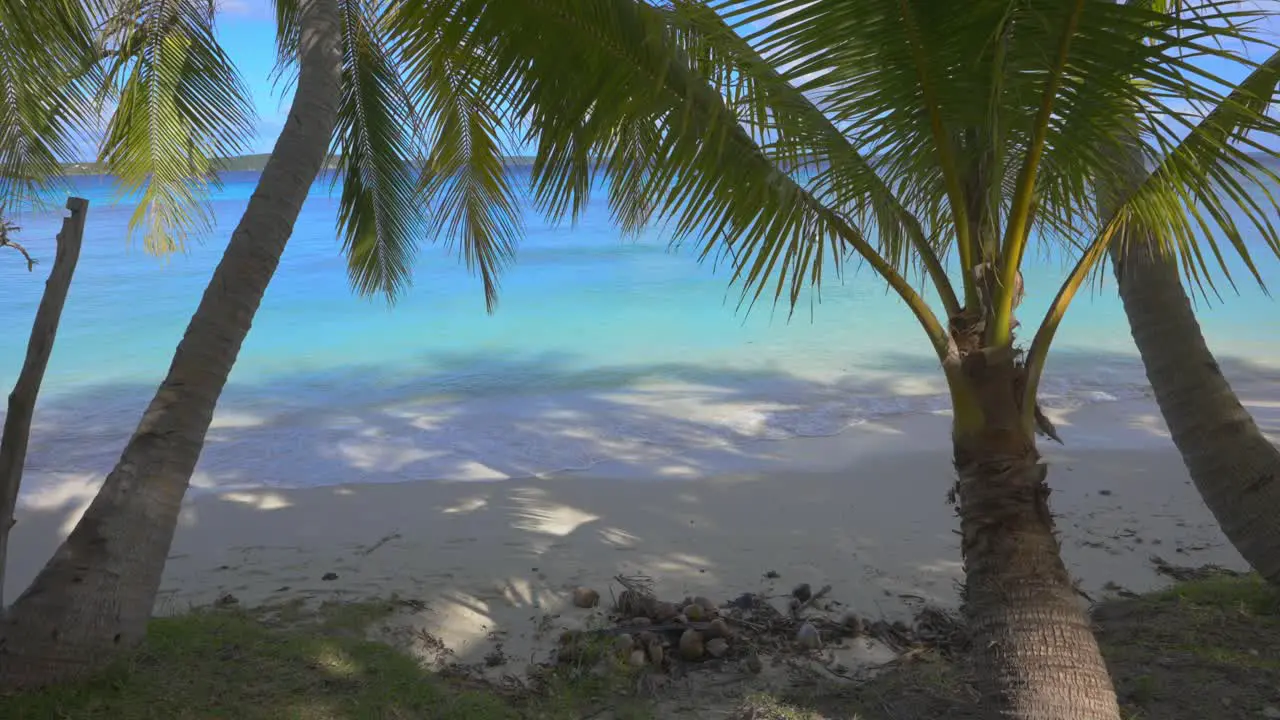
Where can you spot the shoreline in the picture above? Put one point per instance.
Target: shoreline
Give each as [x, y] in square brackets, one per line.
[491, 560]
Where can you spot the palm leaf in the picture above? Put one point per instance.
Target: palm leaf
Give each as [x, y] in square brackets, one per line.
[465, 184]
[47, 56]
[179, 105]
[379, 211]
[736, 121]
[803, 136]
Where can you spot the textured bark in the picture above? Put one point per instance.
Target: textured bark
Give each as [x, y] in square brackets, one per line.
[22, 401]
[94, 597]
[1035, 655]
[1235, 468]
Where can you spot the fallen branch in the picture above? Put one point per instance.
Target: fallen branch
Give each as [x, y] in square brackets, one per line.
[812, 599]
[31, 262]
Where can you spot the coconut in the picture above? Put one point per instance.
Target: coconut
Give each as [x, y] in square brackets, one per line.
[585, 597]
[691, 647]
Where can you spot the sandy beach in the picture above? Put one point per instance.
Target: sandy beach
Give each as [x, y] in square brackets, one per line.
[494, 562]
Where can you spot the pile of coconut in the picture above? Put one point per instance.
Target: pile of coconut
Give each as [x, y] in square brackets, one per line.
[647, 631]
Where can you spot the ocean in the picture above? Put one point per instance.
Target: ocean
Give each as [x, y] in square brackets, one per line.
[602, 351]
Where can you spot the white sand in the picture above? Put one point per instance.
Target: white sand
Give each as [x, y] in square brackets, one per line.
[864, 511]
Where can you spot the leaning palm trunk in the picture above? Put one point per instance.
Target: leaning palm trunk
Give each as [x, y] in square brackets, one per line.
[1035, 656]
[1233, 465]
[94, 597]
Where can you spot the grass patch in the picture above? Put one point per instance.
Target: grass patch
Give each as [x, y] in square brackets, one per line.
[285, 663]
[1247, 595]
[767, 707]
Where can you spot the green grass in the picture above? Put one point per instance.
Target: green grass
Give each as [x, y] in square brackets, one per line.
[767, 707]
[1247, 595]
[281, 663]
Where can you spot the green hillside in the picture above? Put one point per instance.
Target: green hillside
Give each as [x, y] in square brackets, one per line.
[239, 163]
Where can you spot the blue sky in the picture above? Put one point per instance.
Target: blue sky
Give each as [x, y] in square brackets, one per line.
[246, 29]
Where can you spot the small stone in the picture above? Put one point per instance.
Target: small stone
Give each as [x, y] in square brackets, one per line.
[754, 666]
[854, 624]
[624, 644]
[656, 653]
[691, 647]
[227, 600]
[641, 621]
[706, 604]
[645, 639]
[717, 647]
[808, 637]
[772, 575]
[1270, 713]
[585, 598]
[802, 592]
[718, 629]
[637, 658]
[329, 576]
[695, 612]
[664, 612]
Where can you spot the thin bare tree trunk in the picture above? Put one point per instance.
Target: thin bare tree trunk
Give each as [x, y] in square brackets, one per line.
[22, 401]
[95, 596]
[1034, 653]
[1233, 465]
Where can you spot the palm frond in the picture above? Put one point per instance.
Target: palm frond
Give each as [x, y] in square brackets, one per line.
[288, 38]
[47, 62]
[583, 74]
[469, 197]
[379, 211]
[800, 135]
[1219, 173]
[180, 104]
[787, 130]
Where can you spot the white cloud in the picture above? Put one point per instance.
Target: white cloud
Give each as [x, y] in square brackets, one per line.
[255, 9]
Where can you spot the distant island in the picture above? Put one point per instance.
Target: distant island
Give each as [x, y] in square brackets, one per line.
[256, 162]
[245, 163]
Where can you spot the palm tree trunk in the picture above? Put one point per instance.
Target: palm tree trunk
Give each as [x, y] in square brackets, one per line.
[1235, 468]
[22, 401]
[95, 596]
[1035, 655]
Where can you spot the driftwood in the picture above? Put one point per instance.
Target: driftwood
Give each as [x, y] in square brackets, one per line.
[22, 401]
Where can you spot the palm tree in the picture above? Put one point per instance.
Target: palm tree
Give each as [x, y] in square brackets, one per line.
[919, 139]
[180, 105]
[1233, 465]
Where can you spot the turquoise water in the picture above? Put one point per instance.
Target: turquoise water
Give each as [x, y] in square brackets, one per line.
[601, 349]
